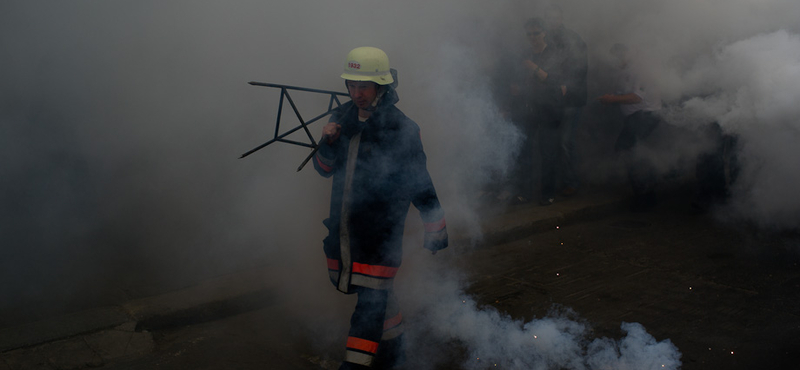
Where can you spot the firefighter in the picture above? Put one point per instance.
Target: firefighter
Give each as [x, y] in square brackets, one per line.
[374, 154]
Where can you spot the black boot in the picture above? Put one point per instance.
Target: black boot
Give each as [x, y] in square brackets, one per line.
[391, 354]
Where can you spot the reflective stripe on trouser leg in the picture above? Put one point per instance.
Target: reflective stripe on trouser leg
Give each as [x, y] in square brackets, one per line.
[392, 348]
[383, 278]
[393, 321]
[366, 325]
[360, 351]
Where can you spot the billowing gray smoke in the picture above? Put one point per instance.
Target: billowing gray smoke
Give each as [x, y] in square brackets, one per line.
[733, 63]
[121, 124]
[750, 88]
[440, 314]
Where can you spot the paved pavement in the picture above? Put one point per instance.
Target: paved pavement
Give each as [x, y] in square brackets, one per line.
[100, 335]
[680, 278]
[726, 294]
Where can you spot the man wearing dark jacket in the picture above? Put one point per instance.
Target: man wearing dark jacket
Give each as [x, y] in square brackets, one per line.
[374, 154]
[538, 96]
[573, 54]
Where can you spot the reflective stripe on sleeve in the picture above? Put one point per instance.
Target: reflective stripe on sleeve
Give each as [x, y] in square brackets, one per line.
[435, 226]
[322, 164]
[333, 264]
[436, 236]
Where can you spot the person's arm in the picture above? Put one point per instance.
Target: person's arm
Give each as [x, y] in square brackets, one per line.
[578, 70]
[630, 98]
[325, 160]
[424, 198]
[542, 76]
[535, 70]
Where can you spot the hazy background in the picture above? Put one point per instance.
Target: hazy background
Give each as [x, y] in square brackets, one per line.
[121, 123]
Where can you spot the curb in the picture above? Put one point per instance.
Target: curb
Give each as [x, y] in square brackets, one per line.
[62, 327]
[209, 300]
[516, 222]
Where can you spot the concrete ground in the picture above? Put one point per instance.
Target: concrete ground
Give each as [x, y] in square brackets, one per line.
[724, 294]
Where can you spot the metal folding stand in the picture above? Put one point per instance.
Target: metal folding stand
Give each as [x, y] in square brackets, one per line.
[281, 137]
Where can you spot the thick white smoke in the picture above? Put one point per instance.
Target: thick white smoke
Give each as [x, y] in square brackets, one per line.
[750, 87]
[444, 320]
[730, 62]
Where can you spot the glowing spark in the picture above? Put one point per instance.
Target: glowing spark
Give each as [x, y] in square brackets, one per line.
[558, 227]
[690, 288]
[558, 274]
[731, 353]
[535, 337]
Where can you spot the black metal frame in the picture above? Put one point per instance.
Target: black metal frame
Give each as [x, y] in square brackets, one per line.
[303, 124]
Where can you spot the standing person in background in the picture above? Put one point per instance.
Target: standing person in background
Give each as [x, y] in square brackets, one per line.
[639, 105]
[572, 50]
[541, 99]
[374, 154]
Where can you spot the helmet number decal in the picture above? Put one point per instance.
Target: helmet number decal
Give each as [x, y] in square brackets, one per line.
[354, 65]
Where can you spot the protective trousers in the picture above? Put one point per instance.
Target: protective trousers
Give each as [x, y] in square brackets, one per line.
[636, 133]
[375, 338]
[549, 140]
[569, 156]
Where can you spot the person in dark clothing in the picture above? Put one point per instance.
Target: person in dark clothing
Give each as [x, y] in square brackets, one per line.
[374, 154]
[539, 101]
[573, 52]
[716, 168]
[639, 105]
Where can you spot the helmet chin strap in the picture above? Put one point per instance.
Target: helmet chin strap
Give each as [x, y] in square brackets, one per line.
[372, 107]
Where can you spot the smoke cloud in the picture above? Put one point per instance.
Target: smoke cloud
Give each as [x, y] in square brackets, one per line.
[750, 88]
[121, 124]
[444, 319]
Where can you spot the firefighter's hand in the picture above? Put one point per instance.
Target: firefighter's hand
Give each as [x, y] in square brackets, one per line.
[436, 240]
[332, 131]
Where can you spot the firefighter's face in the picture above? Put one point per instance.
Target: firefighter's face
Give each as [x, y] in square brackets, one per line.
[362, 93]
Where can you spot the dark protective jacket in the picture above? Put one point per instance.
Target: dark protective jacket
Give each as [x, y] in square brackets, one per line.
[378, 169]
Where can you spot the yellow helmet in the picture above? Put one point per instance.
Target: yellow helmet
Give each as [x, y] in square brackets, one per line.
[368, 64]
